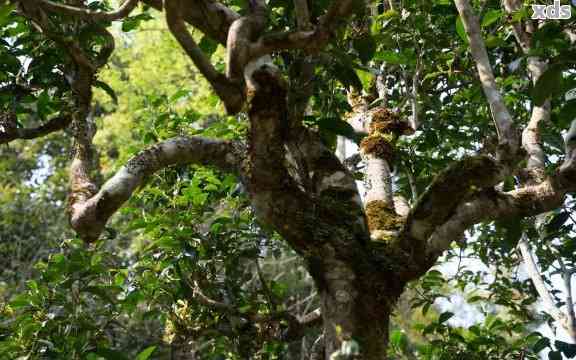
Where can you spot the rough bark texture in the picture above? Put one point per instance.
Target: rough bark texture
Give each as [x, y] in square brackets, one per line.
[360, 257]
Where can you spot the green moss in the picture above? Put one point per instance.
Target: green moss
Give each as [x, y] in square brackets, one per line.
[380, 146]
[380, 216]
[386, 121]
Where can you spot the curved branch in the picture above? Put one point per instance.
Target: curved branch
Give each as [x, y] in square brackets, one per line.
[490, 205]
[53, 125]
[240, 35]
[230, 94]
[308, 40]
[460, 180]
[87, 14]
[209, 16]
[89, 217]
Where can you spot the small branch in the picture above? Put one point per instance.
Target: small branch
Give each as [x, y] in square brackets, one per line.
[539, 284]
[507, 135]
[229, 93]
[89, 217]
[312, 318]
[205, 300]
[567, 278]
[87, 14]
[415, 119]
[527, 201]
[265, 288]
[318, 349]
[53, 125]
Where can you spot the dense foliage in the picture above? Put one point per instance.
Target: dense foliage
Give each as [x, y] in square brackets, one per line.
[185, 267]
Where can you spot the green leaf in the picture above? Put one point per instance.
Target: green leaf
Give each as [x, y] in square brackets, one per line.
[337, 126]
[557, 221]
[179, 95]
[347, 76]
[208, 45]
[461, 30]
[398, 340]
[491, 17]
[548, 85]
[569, 350]
[107, 89]
[366, 47]
[43, 105]
[445, 317]
[567, 114]
[110, 354]
[511, 231]
[5, 11]
[541, 344]
[392, 57]
[132, 22]
[554, 355]
[146, 353]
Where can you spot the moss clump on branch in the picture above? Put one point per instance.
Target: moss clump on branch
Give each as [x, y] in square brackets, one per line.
[379, 145]
[386, 121]
[381, 216]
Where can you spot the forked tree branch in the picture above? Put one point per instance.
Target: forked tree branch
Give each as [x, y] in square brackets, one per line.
[87, 14]
[88, 218]
[489, 205]
[307, 40]
[230, 94]
[209, 16]
[507, 136]
[460, 180]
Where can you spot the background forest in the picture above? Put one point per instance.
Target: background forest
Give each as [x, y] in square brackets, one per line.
[185, 271]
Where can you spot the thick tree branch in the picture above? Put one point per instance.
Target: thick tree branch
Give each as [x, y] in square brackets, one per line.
[87, 14]
[310, 40]
[209, 16]
[58, 123]
[527, 201]
[540, 114]
[460, 180]
[89, 217]
[242, 32]
[230, 94]
[507, 136]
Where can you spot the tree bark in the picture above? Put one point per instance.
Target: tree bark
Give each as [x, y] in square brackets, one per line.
[355, 309]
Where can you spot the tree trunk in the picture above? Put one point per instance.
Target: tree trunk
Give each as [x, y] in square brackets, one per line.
[356, 305]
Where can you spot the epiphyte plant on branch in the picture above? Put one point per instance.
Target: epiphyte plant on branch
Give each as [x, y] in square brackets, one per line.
[280, 66]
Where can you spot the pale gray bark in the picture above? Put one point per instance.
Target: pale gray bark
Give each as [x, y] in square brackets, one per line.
[500, 114]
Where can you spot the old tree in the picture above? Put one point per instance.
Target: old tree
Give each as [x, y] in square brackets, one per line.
[457, 109]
